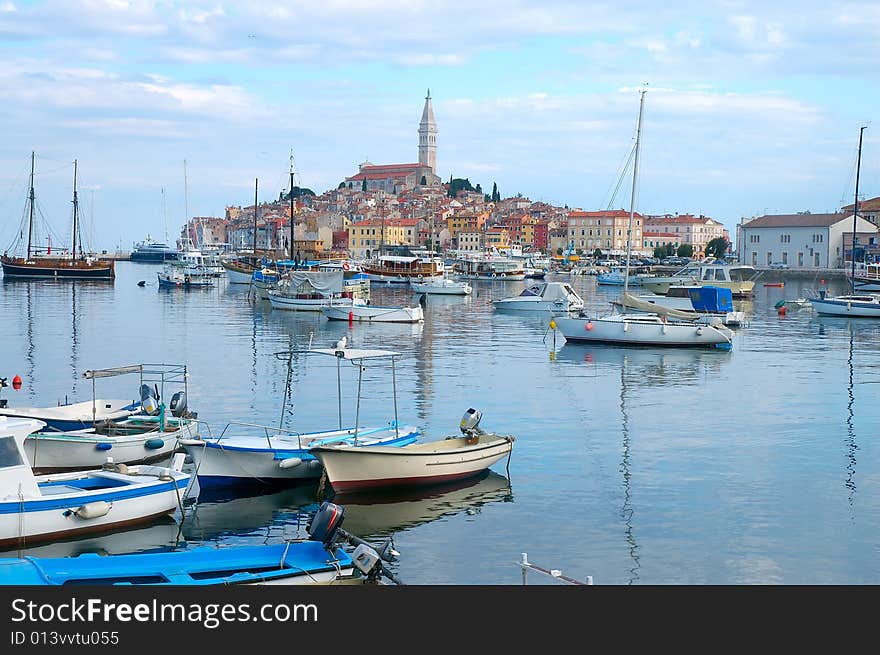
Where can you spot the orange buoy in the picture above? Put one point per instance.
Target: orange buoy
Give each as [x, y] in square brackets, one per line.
[781, 310]
[589, 327]
[16, 382]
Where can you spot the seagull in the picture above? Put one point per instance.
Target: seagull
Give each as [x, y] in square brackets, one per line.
[340, 345]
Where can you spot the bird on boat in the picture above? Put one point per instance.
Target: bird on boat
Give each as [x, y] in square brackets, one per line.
[142, 283]
[340, 345]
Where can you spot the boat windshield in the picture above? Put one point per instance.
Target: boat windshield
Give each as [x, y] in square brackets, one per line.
[531, 291]
[9, 453]
[741, 274]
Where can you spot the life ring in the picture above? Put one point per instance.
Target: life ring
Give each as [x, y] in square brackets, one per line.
[494, 274]
[421, 277]
[346, 266]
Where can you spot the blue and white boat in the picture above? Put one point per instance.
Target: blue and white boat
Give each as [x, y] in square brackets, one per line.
[48, 507]
[284, 457]
[320, 559]
[76, 416]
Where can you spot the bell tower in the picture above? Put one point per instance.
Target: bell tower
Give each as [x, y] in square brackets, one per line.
[428, 136]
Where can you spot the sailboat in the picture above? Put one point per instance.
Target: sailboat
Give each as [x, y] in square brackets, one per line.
[36, 264]
[865, 305]
[658, 326]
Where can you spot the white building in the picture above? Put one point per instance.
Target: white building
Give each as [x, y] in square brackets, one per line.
[798, 240]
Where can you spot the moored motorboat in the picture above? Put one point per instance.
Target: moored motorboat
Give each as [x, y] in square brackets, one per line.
[442, 286]
[374, 313]
[858, 305]
[648, 329]
[544, 297]
[283, 457]
[416, 464]
[47, 507]
[320, 559]
[310, 290]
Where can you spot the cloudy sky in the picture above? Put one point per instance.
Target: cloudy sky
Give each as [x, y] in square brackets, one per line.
[751, 108]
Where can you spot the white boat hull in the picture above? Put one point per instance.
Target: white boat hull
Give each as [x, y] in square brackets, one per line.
[75, 416]
[281, 301]
[278, 459]
[51, 516]
[418, 464]
[447, 287]
[375, 314]
[515, 304]
[68, 451]
[239, 277]
[495, 277]
[847, 306]
[641, 329]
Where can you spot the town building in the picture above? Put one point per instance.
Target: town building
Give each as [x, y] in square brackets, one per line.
[696, 231]
[604, 230]
[868, 209]
[799, 240]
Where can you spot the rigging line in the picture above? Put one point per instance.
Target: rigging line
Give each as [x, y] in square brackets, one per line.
[621, 177]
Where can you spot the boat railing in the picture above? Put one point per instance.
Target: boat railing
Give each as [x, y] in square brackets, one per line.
[269, 431]
[556, 574]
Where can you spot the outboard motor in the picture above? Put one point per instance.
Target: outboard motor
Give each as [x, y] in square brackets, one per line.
[326, 523]
[470, 422]
[149, 400]
[178, 404]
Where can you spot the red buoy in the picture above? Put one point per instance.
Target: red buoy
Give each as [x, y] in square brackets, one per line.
[589, 327]
[16, 382]
[781, 310]
[350, 316]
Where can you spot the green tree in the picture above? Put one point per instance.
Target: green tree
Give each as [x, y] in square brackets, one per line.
[364, 185]
[685, 250]
[659, 252]
[459, 184]
[496, 197]
[478, 189]
[559, 251]
[717, 247]
[423, 181]
[597, 253]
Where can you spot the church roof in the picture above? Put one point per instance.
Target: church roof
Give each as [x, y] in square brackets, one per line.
[428, 112]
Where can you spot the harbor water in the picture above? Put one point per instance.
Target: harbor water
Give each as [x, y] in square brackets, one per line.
[758, 465]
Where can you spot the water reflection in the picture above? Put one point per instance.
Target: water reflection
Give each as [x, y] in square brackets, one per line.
[851, 445]
[627, 511]
[382, 513]
[649, 366]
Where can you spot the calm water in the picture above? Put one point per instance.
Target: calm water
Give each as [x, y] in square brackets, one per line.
[635, 466]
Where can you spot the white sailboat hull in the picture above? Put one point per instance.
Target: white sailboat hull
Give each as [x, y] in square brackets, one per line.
[443, 287]
[858, 306]
[416, 464]
[641, 329]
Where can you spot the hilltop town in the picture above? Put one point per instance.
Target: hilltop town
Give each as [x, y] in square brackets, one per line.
[410, 205]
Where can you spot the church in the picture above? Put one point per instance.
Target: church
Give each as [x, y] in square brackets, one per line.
[394, 178]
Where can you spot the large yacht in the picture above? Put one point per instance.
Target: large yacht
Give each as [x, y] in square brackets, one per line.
[152, 251]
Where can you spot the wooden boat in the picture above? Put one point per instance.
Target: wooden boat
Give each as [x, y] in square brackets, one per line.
[284, 457]
[310, 290]
[37, 264]
[402, 269]
[374, 313]
[416, 464]
[489, 266]
[47, 507]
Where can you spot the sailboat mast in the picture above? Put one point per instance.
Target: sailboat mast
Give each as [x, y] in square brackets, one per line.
[75, 214]
[290, 198]
[852, 278]
[256, 186]
[632, 199]
[186, 201]
[31, 208]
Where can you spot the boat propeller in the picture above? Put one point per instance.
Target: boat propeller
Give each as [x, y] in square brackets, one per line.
[326, 527]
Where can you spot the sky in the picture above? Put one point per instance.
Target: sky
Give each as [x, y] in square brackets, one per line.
[176, 109]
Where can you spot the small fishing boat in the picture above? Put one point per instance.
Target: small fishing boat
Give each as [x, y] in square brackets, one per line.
[617, 277]
[544, 297]
[176, 277]
[282, 457]
[374, 313]
[443, 286]
[416, 464]
[320, 559]
[76, 416]
[858, 305]
[310, 290]
[47, 507]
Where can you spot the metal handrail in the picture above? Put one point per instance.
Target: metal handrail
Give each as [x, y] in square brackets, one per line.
[556, 574]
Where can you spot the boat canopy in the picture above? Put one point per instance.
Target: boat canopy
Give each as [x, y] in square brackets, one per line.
[354, 353]
[324, 282]
[711, 299]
